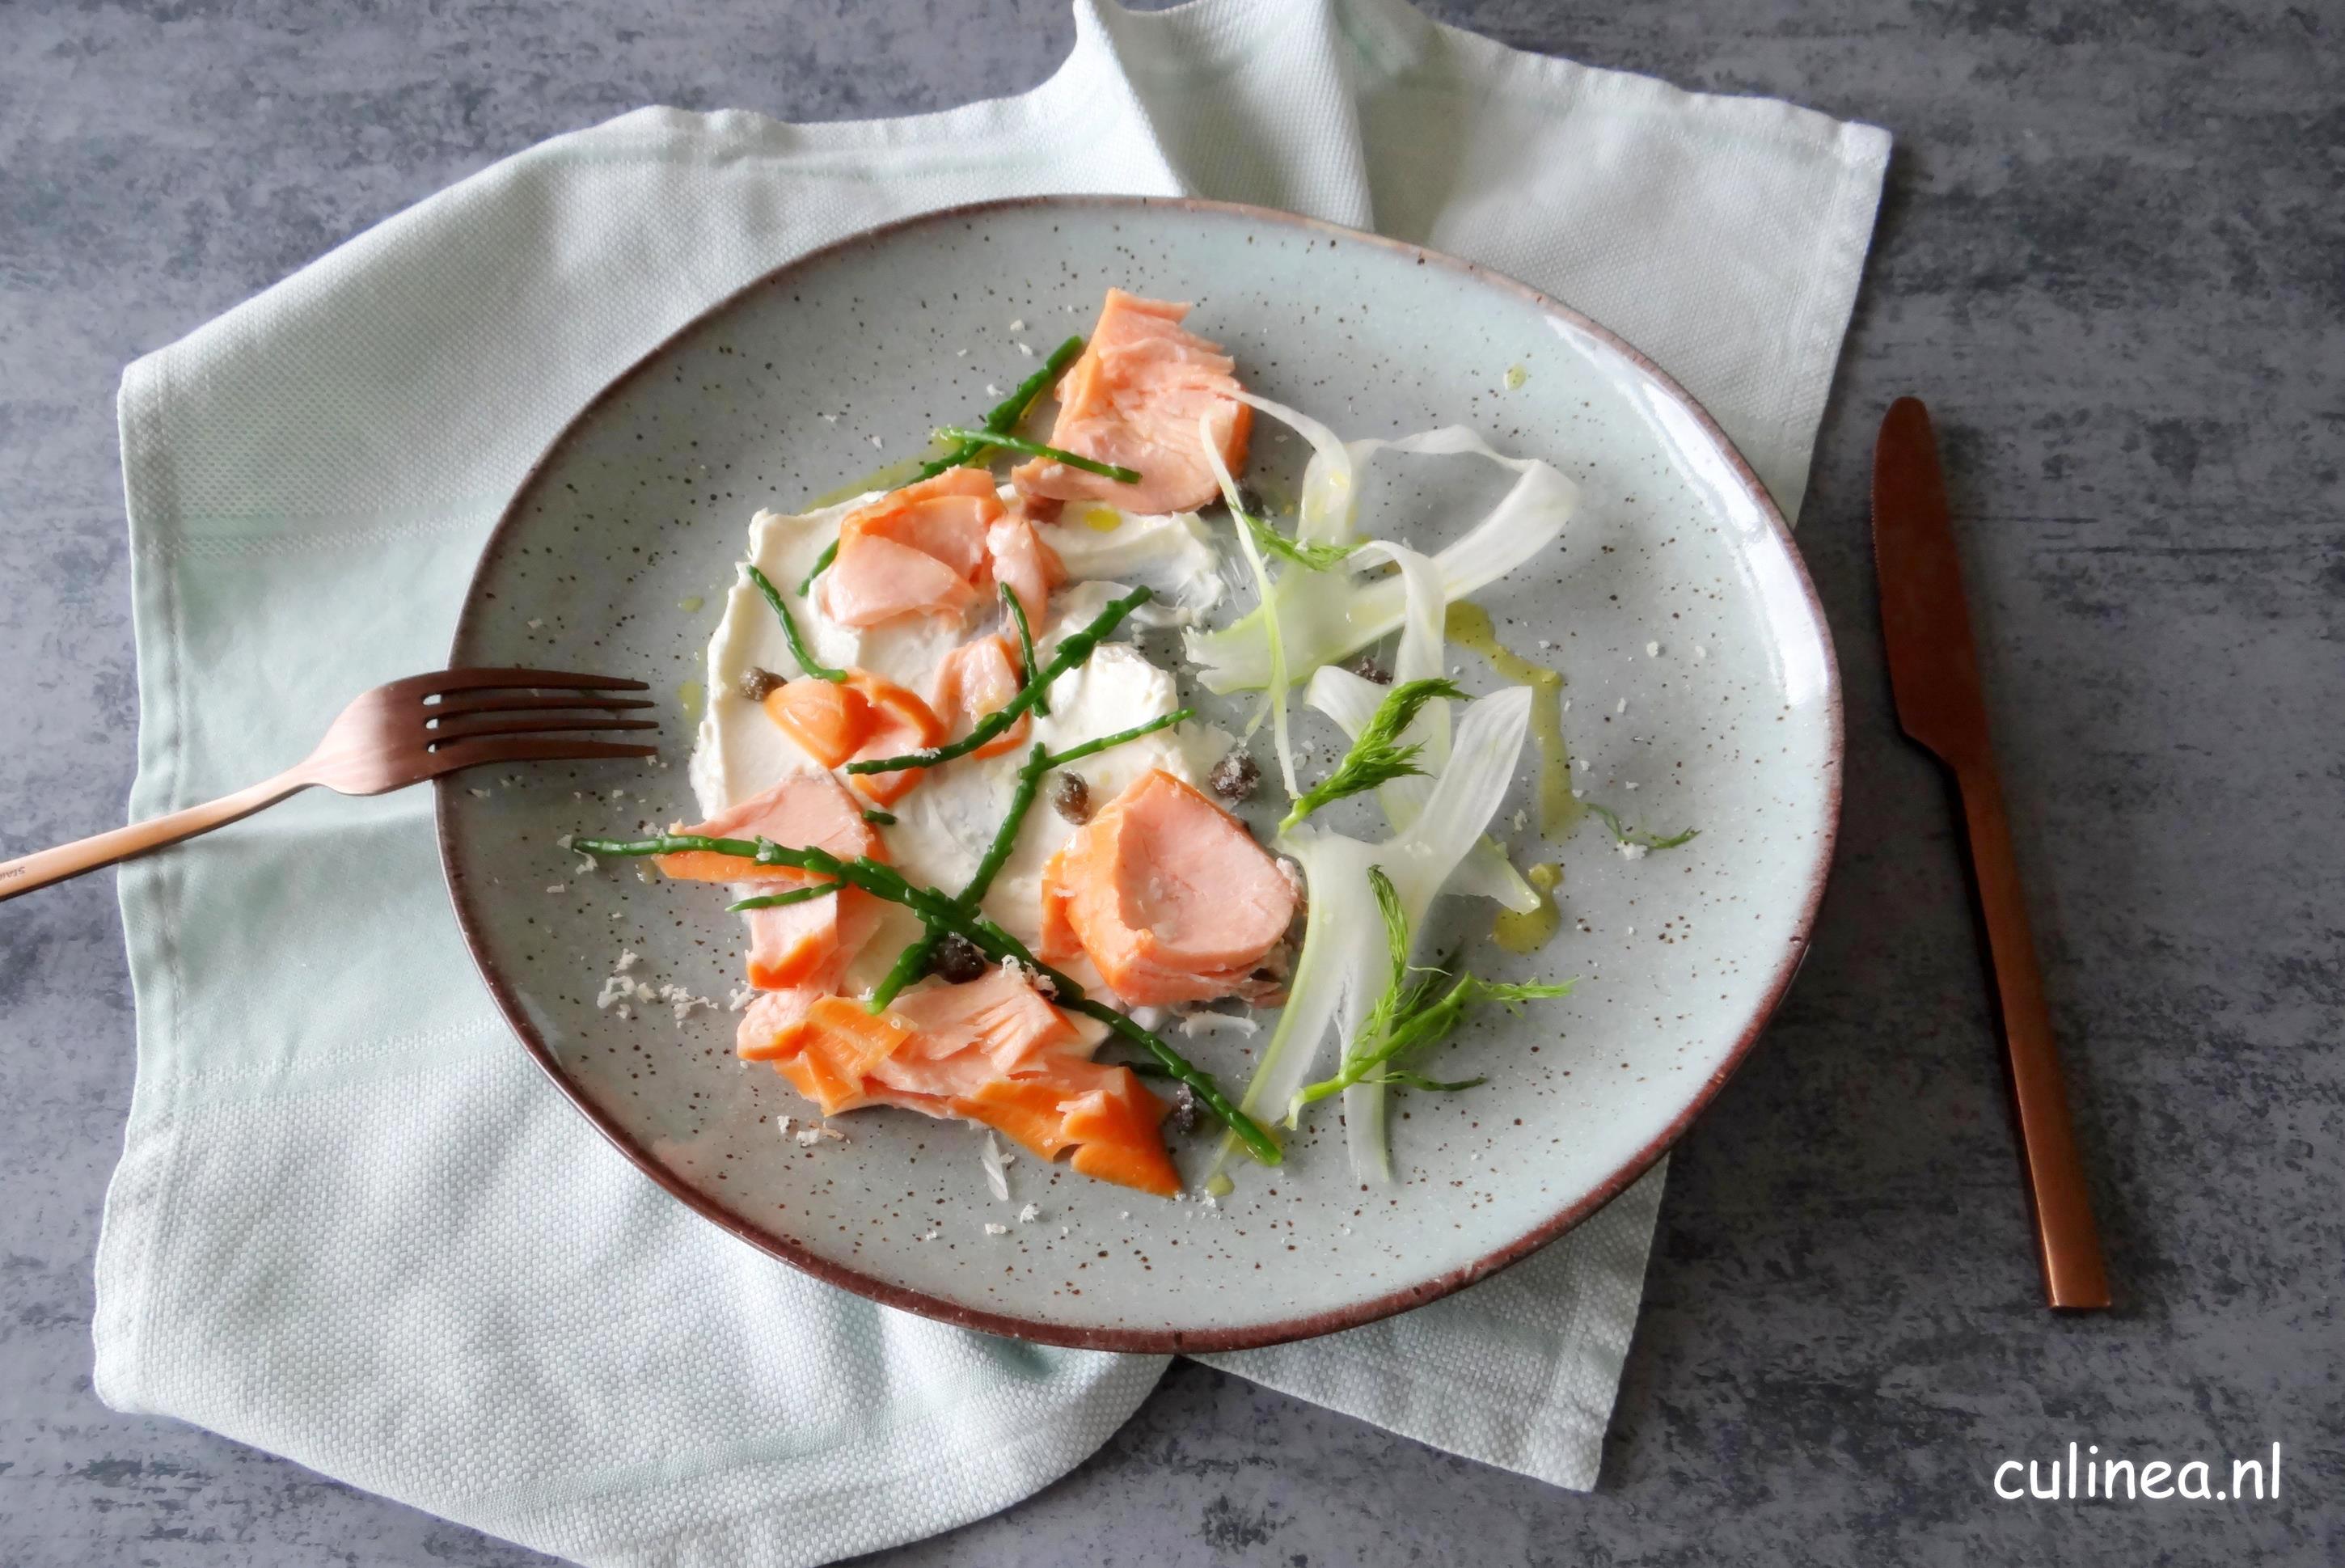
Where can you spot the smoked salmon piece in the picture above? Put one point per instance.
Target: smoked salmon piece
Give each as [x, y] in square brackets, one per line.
[865, 716]
[920, 550]
[1023, 1110]
[801, 942]
[975, 679]
[826, 718]
[774, 1026]
[769, 1028]
[1020, 560]
[1114, 1130]
[999, 1015]
[809, 943]
[1168, 894]
[1134, 398]
[839, 1043]
[991, 1050]
[1104, 1114]
[898, 722]
[789, 945]
[804, 810]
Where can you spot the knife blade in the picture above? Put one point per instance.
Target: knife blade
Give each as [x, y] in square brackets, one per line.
[1926, 625]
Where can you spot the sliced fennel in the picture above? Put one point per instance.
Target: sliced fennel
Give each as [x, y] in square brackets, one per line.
[1351, 701]
[1343, 964]
[1275, 696]
[1316, 617]
[1330, 488]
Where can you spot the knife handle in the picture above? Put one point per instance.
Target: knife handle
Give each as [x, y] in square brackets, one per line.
[2066, 1243]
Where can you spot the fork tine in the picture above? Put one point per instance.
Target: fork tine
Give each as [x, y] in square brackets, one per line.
[476, 679]
[473, 752]
[492, 702]
[443, 730]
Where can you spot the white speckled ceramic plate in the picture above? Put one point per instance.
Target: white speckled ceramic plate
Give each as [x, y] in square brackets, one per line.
[615, 555]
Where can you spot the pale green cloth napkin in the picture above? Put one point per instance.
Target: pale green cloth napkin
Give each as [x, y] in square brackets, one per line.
[352, 1224]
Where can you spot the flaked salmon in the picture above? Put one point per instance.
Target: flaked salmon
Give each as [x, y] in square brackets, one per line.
[992, 1049]
[809, 943]
[772, 1026]
[838, 1043]
[1024, 564]
[1134, 398]
[1169, 896]
[967, 1035]
[1104, 1114]
[863, 716]
[804, 810]
[975, 679]
[920, 550]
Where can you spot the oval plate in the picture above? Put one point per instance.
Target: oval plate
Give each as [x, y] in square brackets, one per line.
[615, 555]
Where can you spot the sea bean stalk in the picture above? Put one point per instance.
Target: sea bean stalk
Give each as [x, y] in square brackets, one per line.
[1020, 445]
[798, 650]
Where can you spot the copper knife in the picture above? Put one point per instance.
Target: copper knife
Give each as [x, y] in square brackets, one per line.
[1934, 670]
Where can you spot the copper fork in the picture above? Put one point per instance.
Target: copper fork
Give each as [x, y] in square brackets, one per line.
[390, 737]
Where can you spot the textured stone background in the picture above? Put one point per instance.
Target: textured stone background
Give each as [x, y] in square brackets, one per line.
[2112, 256]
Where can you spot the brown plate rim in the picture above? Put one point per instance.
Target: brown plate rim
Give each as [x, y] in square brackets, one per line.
[1157, 1341]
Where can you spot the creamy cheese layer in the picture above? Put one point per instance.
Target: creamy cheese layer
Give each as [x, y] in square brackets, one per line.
[944, 824]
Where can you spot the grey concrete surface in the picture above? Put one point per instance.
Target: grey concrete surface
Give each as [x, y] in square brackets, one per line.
[2113, 256]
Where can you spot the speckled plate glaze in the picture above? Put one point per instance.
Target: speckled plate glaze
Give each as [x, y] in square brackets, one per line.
[615, 553]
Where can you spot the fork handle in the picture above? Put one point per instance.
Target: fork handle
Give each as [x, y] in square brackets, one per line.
[43, 867]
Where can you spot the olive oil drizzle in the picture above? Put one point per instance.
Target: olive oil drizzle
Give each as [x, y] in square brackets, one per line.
[1469, 625]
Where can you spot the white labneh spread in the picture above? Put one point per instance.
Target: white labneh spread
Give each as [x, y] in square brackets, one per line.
[943, 825]
[1170, 554]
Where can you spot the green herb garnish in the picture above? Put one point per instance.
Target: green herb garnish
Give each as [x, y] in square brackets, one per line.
[879, 819]
[1074, 649]
[790, 628]
[1009, 443]
[1312, 557]
[940, 909]
[1401, 1077]
[1411, 1014]
[1378, 756]
[1637, 836]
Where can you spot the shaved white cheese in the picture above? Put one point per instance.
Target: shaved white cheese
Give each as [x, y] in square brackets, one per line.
[997, 1174]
